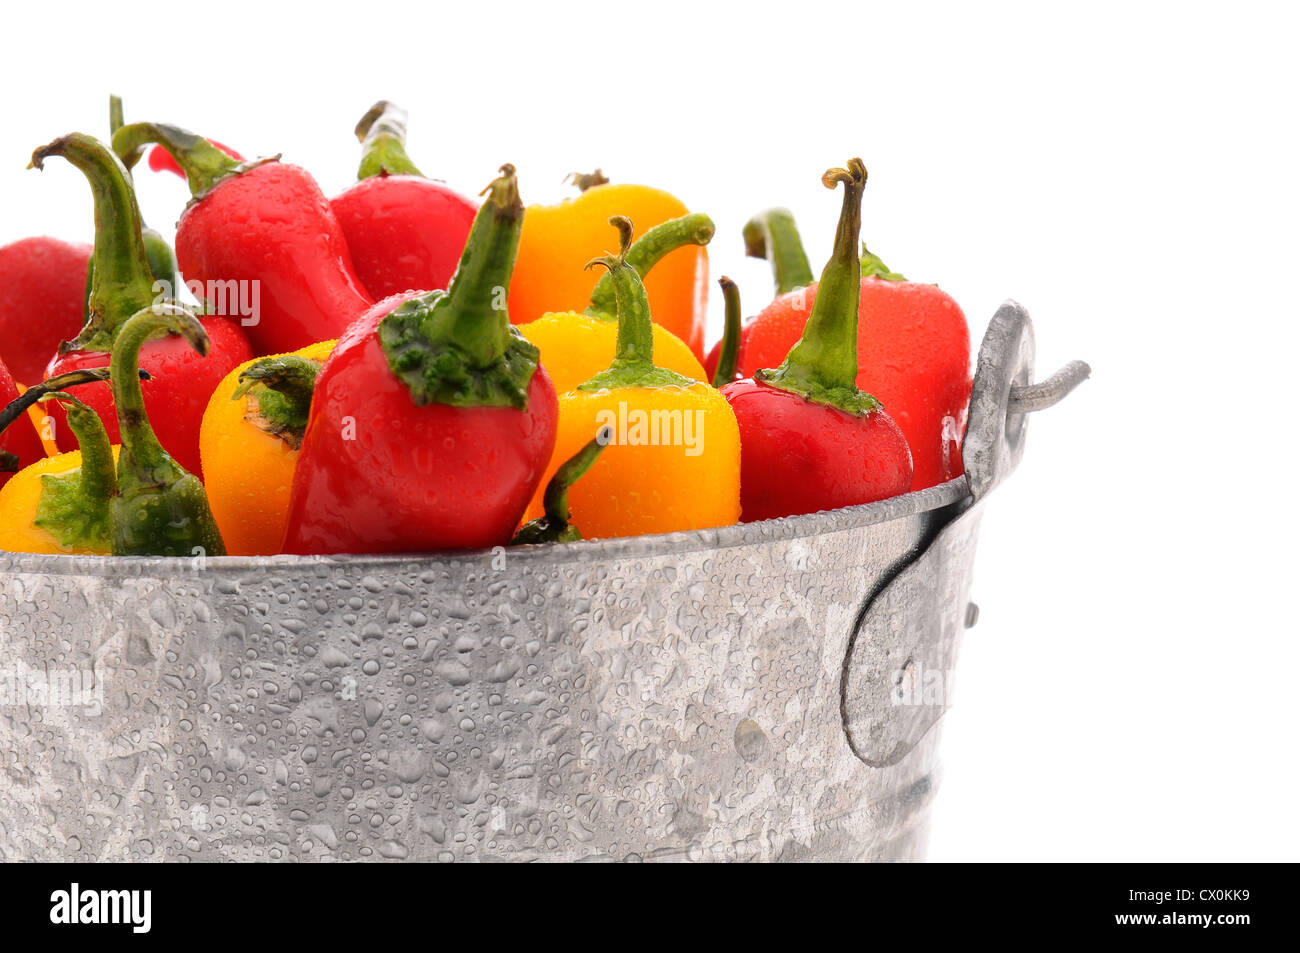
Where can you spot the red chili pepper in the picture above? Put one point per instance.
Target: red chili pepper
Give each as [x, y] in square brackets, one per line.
[810, 439]
[913, 345]
[405, 232]
[123, 285]
[432, 422]
[20, 444]
[160, 159]
[267, 228]
[42, 285]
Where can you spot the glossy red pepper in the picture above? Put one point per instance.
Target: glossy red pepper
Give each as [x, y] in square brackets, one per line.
[266, 227]
[20, 444]
[42, 285]
[913, 346]
[182, 381]
[405, 232]
[810, 438]
[432, 422]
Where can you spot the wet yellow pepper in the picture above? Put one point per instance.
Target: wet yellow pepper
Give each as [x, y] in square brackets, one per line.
[61, 504]
[559, 240]
[576, 345]
[20, 499]
[672, 448]
[249, 442]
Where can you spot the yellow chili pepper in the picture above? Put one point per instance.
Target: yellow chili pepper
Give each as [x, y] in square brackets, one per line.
[559, 240]
[672, 457]
[20, 499]
[249, 442]
[61, 504]
[577, 345]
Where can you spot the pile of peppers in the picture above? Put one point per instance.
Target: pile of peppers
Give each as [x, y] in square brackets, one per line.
[401, 368]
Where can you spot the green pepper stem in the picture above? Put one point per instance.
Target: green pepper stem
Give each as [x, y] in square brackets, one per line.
[98, 475]
[162, 260]
[586, 180]
[774, 236]
[36, 392]
[483, 275]
[649, 250]
[874, 267]
[290, 375]
[203, 163]
[162, 265]
[123, 283]
[284, 387]
[458, 347]
[635, 329]
[555, 501]
[382, 131]
[160, 509]
[115, 118]
[729, 353]
[141, 450]
[75, 507]
[823, 365]
[633, 364]
[554, 525]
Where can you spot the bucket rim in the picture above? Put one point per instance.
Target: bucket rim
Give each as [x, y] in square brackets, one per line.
[736, 535]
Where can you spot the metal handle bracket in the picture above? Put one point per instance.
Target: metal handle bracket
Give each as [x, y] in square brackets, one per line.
[909, 630]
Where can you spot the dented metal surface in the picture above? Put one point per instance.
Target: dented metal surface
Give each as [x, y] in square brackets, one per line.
[723, 695]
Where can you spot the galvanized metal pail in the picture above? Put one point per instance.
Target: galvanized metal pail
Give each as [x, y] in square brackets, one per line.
[753, 692]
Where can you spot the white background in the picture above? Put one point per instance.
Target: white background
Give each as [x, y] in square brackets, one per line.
[1127, 171]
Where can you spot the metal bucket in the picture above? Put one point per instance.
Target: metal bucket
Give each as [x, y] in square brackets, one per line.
[752, 692]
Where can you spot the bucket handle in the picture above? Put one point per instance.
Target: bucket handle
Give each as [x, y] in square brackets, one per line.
[1003, 395]
[1028, 398]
